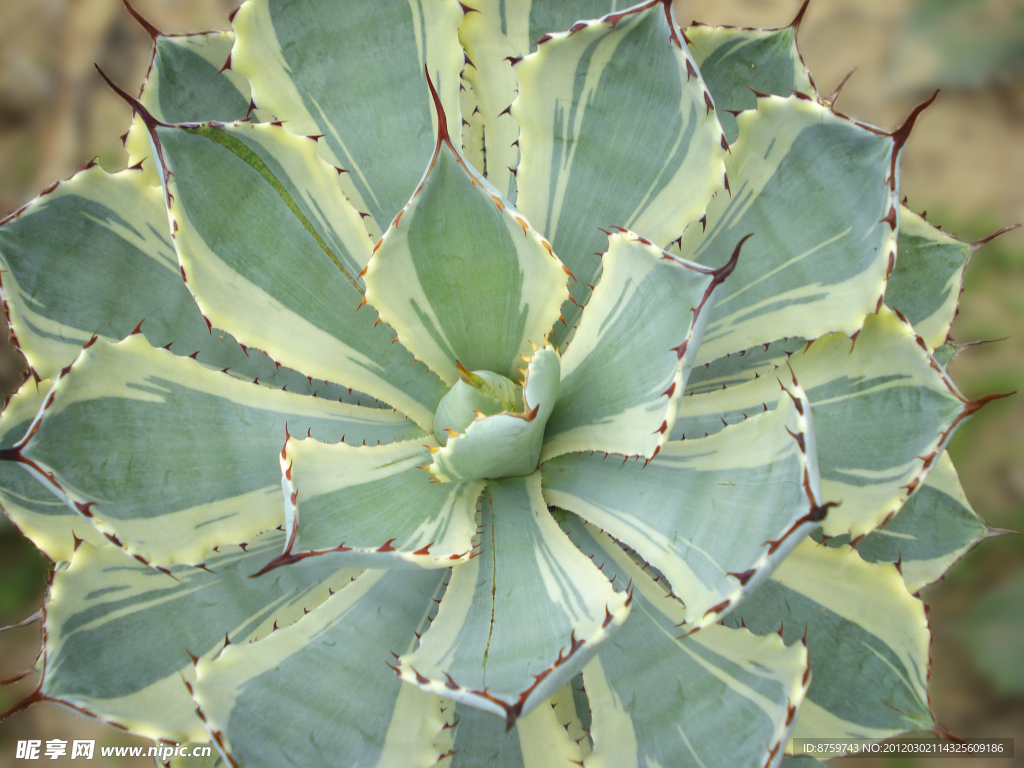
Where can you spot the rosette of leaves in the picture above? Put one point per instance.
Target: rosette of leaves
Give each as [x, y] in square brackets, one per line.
[532, 365]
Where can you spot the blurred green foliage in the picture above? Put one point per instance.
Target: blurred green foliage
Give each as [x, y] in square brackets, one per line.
[22, 574]
[960, 43]
[992, 632]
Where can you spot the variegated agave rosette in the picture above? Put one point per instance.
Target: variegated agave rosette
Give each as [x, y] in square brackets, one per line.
[644, 342]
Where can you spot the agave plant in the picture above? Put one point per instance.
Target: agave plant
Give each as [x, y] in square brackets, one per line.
[536, 366]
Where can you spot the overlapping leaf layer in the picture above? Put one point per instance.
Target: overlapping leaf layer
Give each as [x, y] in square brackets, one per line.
[510, 345]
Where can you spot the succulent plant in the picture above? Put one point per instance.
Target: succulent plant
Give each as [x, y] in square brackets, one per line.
[576, 376]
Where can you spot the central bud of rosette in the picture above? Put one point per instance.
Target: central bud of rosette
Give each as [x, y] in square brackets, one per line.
[476, 394]
[489, 426]
[467, 284]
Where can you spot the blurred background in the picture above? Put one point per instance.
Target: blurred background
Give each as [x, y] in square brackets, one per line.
[964, 165]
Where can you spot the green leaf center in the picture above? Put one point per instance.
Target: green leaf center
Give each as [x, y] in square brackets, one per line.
[477, 393]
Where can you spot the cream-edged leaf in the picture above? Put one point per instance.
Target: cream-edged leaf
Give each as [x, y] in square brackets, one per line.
[818, 192]
[278, 266]
[926, 282]
[170, 459]
[95, 256]
[332, 70]
[933, 529]
[120, 636]
[739, 367]
[540, 739]
[715, 515]
[618, 129]
[883, 409]
[460, 274]
[735, 63]
[867, 638]
[189, 81]
[44, 518]
[320, 689]
[495, 33]
[375, 501]
[625, 369]
[521, 618]
[659, 698]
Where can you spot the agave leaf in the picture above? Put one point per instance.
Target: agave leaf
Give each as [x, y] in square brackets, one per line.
[625, 370]
[330, 489]
[168, 458]
[518, 621]
[538, 740]
[800, 761]
[504, 444]
[472, 135]
[945, 353]
[493, 34]
[566, 704]
[714, 515]
[866, 635]
[659, 698]
[295, 697]
[739, 367]
[816, 189]
[278, 266]
[444, 740]
[482, 739]
[578, 727]
[118, 635]
[56, 304]
[933, 530]
[187, 83]
[42, 517]
[883, 410]
[461, 276]
[925, 285]
[214, 760]
[737, 62]
[91, 268]
[330, 70]
[635, 143]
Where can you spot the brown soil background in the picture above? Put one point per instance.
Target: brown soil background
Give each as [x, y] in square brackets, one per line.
[964, 164]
